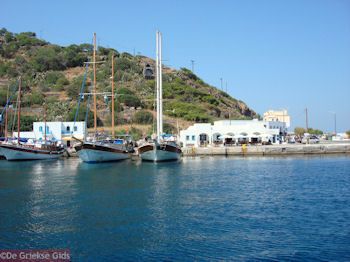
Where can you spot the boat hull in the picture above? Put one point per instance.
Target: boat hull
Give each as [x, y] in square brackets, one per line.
[18, 153]
[91, 153]
[159, 153]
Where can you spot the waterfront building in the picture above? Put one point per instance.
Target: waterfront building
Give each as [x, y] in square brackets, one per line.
[56, 131]
[233, 132]
[277, 116]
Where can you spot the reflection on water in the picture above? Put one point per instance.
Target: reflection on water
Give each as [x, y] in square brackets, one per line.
[203, 208]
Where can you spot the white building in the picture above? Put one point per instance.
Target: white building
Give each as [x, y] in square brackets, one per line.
[232, 131]
[277, 116]
[55, 131]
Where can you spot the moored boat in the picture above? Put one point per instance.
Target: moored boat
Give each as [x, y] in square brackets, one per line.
[159, 149]
[104, 150]
[18, 151]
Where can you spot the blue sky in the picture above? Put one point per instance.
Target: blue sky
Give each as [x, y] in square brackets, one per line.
[273, 54]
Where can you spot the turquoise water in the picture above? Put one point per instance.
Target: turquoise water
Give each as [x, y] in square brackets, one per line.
[212, 208]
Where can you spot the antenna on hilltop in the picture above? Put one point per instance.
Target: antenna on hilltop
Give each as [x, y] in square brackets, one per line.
[192, 62]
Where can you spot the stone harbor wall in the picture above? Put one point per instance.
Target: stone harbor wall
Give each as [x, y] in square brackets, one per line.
[270, 150]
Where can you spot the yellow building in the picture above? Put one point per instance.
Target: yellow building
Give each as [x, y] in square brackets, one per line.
[277, 116]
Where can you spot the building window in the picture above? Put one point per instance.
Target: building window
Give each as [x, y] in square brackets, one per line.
[68, 128]
[187, 138]
[47, 129]
[193, 138]
[40, 129]
[75, 128]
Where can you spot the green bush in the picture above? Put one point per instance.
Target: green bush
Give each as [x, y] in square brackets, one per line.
[27, 123]
[34, 98]
[47, 58]
[74, 88]
[10, 49]
[186, 111]
[189, 73]
[74, 56]
[125, 91]
[130, 100]
[143, 117]
[3, 96]
[82, 114]
[52, 77]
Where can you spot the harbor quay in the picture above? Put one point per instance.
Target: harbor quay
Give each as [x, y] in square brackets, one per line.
[261, 150]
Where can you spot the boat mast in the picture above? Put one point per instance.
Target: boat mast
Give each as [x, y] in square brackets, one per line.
[8, 90]
[112, 96]
[45, 119]
[157, 73]
[19, 108]
[160, 87]
[94, 67]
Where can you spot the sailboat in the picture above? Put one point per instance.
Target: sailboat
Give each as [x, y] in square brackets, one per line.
[17, 152]
[159, 149]
[108, 149]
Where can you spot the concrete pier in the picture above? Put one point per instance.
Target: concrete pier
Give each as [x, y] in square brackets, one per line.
[283, 149]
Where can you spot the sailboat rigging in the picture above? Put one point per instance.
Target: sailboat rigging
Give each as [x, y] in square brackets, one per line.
[159, 149]
[107, 149]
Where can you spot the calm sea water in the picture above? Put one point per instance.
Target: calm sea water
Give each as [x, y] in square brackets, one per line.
[212, 208]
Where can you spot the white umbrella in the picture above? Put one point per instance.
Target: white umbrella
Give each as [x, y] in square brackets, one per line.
[225, 136]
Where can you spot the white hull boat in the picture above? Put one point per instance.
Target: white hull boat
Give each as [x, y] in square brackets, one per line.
[160, 152]
[20, 152]
[95, 153]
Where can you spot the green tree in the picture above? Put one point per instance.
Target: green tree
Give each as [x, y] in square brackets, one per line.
[82, 114]
[47, 58]
[125, 91]
[299, 131]
[348, 132]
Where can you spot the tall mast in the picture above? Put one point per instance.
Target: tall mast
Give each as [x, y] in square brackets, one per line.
[160, 86]
[157, 72]
[45, 119]
[19, 107]
[112, 96]
[94, 66]
[307, 126]
[8, 90]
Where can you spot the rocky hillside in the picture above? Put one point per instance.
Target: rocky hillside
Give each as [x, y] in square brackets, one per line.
[57, 72]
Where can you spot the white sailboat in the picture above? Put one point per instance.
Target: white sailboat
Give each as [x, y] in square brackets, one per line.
[159, 149]
[18, 151]
[105, 150]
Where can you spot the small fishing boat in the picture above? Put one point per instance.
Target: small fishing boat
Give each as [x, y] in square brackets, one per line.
[159, 149]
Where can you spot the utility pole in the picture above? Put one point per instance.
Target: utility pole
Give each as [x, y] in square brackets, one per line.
[307, 126]
[226, 87]
[192, 61]
[335, 122]
[221, 84]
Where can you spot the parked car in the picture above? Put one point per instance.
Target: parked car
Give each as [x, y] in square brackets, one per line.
[311, 139]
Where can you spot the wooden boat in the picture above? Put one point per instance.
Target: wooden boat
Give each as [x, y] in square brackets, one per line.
[159, 149]
[19, 151]
[105, 150]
